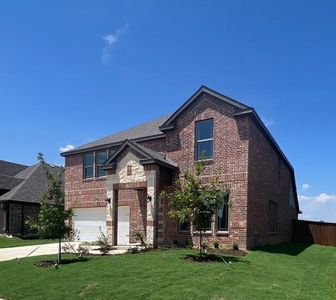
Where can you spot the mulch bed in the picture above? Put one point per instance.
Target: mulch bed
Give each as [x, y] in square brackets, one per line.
[52, 263]
[45, 263]
[217, 256]
[230, 252]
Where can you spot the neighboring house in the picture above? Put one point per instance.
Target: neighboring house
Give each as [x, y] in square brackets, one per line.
[21, 188]
[114, 183]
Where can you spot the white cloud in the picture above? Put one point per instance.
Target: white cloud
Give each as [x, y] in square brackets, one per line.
[320, 207]
[322, 198]
[110, 40]
[305, 186]
[66, 148]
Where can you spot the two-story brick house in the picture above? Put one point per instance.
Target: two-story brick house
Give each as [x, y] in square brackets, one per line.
[114, 183]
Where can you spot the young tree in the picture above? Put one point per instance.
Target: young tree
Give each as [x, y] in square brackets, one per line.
[193, 202]
[51, 221]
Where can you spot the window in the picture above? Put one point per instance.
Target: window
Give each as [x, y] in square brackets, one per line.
[101, 157]
[223, 215]
[272, 217]
[184, 226]
[204, 139]
[88, 165]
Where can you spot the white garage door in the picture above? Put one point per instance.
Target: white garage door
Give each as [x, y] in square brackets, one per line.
[123, 225]
[88, 222]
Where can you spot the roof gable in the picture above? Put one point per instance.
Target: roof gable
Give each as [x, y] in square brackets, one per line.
[170, 123]
[148, 156]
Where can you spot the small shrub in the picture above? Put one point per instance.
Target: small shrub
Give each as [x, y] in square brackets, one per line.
[235, 246]
[83, 251]
[103, 243]
[175, 243]
[216, 245]
[133, 250]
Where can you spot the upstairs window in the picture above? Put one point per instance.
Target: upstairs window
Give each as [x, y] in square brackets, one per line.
[88, 165]
[223, 215]
[204, 139]
[101, 157]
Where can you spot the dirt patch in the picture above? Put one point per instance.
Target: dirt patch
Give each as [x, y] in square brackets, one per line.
[230, 252]
[210, 258]
[45, 263]
[52, 263]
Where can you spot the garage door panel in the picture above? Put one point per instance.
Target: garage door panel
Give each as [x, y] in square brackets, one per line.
[89, 222]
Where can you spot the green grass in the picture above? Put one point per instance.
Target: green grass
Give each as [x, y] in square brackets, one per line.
[16, 242]
[289, 271]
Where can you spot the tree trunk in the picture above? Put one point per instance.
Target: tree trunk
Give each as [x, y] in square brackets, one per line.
[59, 258]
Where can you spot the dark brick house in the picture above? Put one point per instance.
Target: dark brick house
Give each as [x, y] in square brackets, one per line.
[21, 188]
[114, 182]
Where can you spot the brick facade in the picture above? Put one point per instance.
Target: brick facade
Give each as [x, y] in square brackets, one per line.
[243, 159]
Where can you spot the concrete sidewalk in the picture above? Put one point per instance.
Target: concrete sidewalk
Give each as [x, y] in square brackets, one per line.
[45, 249]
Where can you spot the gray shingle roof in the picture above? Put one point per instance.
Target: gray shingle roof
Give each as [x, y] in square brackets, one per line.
[10, 169]
[33, 184]
[8, 182]
[142, 131]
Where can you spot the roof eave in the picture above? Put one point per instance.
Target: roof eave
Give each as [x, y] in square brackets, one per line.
[150, 161]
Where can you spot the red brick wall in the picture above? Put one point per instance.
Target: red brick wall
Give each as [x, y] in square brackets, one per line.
[234, 138]
[269, 179]
[81, 192]
[229, 163]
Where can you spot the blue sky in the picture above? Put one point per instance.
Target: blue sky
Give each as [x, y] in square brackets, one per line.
[74, 71]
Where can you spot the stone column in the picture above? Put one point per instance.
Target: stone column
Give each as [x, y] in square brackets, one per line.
[151, 206]
[110, 215]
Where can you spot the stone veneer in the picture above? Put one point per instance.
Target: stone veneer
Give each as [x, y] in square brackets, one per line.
[140, 178]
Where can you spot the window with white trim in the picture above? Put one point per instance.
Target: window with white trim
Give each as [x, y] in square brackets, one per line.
[204, 139]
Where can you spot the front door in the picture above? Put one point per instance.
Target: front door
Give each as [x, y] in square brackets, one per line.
[123, 225]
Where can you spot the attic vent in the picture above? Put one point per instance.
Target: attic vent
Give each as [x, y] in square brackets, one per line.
[129, 170]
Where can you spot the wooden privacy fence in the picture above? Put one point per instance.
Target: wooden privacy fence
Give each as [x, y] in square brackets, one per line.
[311, 232]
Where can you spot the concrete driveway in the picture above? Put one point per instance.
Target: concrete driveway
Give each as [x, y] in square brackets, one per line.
[23, 251]
[46, 249]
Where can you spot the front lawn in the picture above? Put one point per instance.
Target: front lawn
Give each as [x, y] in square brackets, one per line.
[278, 272]
[16, 242]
